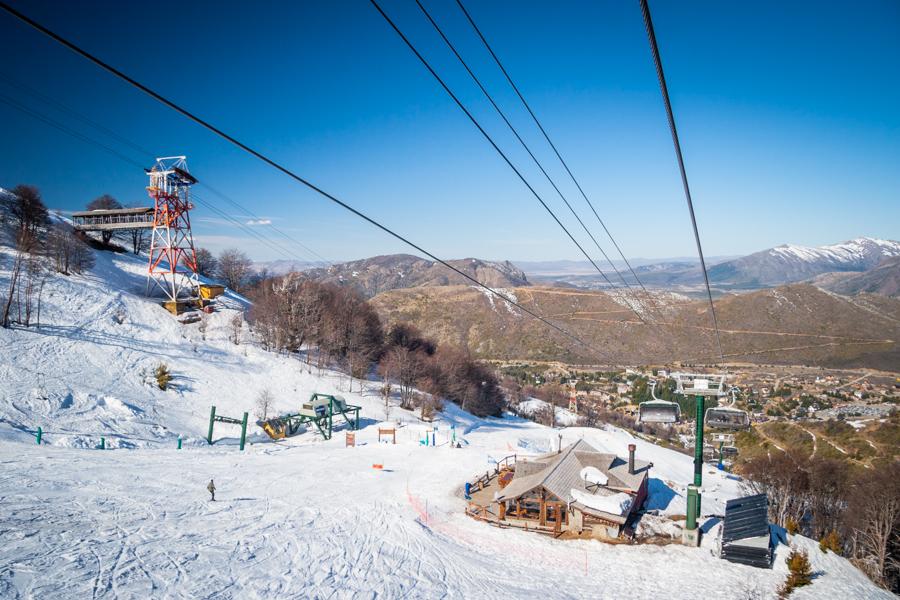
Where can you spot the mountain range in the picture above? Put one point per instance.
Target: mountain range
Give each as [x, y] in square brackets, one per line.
[371, 276]
[772, 267]
[859, 265]
[789, 263]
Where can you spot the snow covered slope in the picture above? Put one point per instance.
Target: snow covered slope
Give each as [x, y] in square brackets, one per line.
[303, 518]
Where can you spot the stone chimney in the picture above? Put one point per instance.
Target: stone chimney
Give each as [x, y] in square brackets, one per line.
[631, 449]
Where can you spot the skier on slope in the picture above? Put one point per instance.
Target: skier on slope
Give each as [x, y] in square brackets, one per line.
[212, 490]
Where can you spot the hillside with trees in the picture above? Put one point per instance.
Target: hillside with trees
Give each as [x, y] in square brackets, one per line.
[336, 325]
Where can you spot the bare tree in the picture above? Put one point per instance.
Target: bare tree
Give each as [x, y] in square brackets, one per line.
[829, 482]
[779, 475]
[386, 396]
[364, 340]
[590, 416]
[27, 212]
[18, 263]
[407, 366]
[874, 510]
[25, 243]
[545, 415]
[139, 240]
[206, 263]
[29, 295]
[555, 394]
[68, 252]
[513, 390]
[237, 325]
[234, 268]
[264, 402]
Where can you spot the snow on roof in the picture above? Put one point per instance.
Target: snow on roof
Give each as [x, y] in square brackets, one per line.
[560, 473]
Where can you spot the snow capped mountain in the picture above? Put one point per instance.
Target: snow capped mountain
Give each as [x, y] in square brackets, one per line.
[789, 263]
[861, 253]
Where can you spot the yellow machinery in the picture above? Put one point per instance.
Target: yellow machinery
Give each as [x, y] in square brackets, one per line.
[275, 428]
[208, 291]
[319, 410]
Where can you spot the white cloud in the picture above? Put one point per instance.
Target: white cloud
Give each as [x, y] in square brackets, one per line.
[259, 222]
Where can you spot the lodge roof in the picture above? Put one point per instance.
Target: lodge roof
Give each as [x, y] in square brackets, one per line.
[560, 473]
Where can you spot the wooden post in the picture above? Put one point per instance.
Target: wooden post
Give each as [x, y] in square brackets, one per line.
[518, 509]
[543, 517]
[502, 511]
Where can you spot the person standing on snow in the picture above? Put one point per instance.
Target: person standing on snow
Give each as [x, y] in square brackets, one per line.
[212, 490]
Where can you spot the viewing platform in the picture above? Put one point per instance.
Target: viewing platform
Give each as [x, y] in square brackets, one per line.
[113, 219]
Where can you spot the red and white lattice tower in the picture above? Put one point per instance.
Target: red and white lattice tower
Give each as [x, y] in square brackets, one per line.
[173, 262]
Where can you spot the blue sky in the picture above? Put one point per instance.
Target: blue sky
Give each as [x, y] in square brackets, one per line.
[787, 112]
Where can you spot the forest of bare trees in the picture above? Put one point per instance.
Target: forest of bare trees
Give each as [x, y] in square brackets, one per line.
[39, 246]
[821, 498]
[333, 324]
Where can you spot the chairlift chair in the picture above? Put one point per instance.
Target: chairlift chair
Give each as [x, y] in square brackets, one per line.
[657, 410]
[728, 417]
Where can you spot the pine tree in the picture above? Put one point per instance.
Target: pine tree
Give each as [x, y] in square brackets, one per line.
[830, 541]
[800, 572]
[791, 525]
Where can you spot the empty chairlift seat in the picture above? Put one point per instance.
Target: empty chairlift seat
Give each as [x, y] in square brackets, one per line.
[659, 411]
[728, 418]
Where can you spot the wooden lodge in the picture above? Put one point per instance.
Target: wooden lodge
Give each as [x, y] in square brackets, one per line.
[577, 491]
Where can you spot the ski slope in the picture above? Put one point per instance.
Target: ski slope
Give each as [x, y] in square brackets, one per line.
[301, 518]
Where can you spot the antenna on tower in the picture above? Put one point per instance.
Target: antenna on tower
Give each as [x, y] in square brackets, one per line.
[173, 261]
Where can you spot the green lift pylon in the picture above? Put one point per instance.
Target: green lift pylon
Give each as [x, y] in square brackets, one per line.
[699, 386]
[698, 448]
[213, 417]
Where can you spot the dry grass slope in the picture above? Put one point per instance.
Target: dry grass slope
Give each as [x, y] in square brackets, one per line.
[796, 324]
